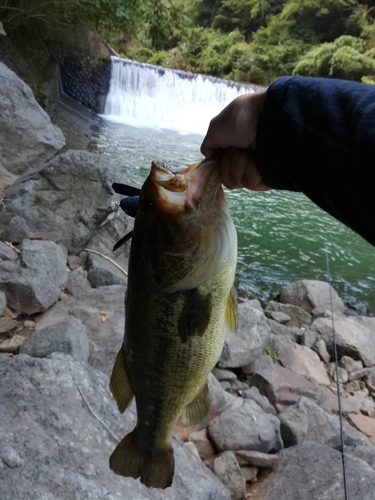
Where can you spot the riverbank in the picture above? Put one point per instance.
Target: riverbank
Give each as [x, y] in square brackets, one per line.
[61, 325]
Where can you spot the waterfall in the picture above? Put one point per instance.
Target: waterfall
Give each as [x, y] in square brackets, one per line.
[152, 96]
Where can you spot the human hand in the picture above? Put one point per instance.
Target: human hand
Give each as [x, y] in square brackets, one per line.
[235, 129]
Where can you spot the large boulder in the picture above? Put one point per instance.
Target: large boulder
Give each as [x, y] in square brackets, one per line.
[27, 137]
[311, 294]
[314, 471]
[70, 196]
[54, 445]
[35, 282]
[102, 312]
[247, 344]
[353, 339]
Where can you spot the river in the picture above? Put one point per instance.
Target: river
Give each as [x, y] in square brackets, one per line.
[283, 237]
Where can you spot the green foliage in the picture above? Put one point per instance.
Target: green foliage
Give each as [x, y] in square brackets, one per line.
[343, 58]
[271, 353]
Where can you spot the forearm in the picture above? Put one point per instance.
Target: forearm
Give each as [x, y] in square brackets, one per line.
[318, 136]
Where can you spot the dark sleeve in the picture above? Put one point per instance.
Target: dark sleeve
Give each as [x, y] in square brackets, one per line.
[317, 136]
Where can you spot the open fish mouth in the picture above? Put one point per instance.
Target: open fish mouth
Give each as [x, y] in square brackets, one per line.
[174, 192]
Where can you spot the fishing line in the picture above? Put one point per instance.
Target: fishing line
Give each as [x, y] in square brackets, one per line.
[334, 346]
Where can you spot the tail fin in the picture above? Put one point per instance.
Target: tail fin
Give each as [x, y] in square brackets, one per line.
[155, 469]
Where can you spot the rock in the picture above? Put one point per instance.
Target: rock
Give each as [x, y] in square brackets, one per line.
[321, 349]
[202, 443]
[220, 399]
[74, 261]
[250, 474]
[278, 316]
[7, 252]
[191, 446]
[294, 426]
[257, 458]
[244, 426]
[260, 363]
[223, 375]
[343, 375]
[7, 324]
[255, 304]
[308, 338]
[28, 137]
[367, 321]
[3, 304]
[18, 229]
[364, 424]
[12, 345]
[350, 364]
[365, 453]
[55, 444]
[314, 471]
[311, 294]
[229, 472]
[299, 359]
[68, 337]
[363, 374]
[238, 386]
[102, 312]
[77, 281]
[100, 272]
[322, 427]
[349, 404]
[299, 317]
[71, 192]
[282, 387]
[35, 283]
[288, 331]
[254, 394]
[353, 339]
[245, 345]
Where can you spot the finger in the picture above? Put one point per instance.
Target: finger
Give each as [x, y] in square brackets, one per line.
[239, 170]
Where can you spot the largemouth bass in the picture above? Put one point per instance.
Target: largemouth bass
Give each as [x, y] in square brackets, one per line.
[180, 292]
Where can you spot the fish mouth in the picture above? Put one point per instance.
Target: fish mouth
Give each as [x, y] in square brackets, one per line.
[174, 192]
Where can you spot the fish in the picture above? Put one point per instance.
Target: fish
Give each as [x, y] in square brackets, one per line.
[179, 296]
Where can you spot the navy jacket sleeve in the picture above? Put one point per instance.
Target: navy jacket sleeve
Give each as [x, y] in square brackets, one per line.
[317, 136]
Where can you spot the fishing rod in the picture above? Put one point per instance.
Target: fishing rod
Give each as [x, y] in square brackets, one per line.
[334, 346]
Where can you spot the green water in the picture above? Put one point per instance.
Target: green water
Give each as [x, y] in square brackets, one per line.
[283, 237]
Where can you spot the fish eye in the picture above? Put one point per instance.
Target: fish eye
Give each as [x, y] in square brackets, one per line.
[146, 206]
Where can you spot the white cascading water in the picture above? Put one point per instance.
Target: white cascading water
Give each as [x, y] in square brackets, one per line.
[152, 96]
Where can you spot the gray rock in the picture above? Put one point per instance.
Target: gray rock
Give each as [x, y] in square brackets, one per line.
[353, 339]
[77, 281]
[229, 472]
[254, 394]
[202, 444]
[321, 348]
[102, 312]
[350, 364]
[3, 303]
[299, 359]
[364, 374]
[258, 459]
[245, 345]
[282, 387]
[278, 316]
[222, 374]
[293, 332]
[27, 134]
[314, 471]
[70, 194]
[68, 337]
[7, 252]
[100, 272]
[57, 449]
[263, 362]
[244, 426]
[18, 229]
[308, 338]
[219, 398]
[367, 321]
[7, 324]
[322, 427]
[255, 304]
[294, 426]
[36, 282]
[311, 294]
[365, 453]
[298, 316]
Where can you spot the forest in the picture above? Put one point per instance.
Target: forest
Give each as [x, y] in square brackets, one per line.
[243, 40]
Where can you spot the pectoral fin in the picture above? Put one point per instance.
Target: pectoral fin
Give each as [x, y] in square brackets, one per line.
[120, 384]
[197, 410]
[195, 316]
[231, 310]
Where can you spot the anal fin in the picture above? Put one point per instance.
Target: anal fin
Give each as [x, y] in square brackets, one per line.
[196, 411]
[120, 384]
[155, 468]
[231, 310]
